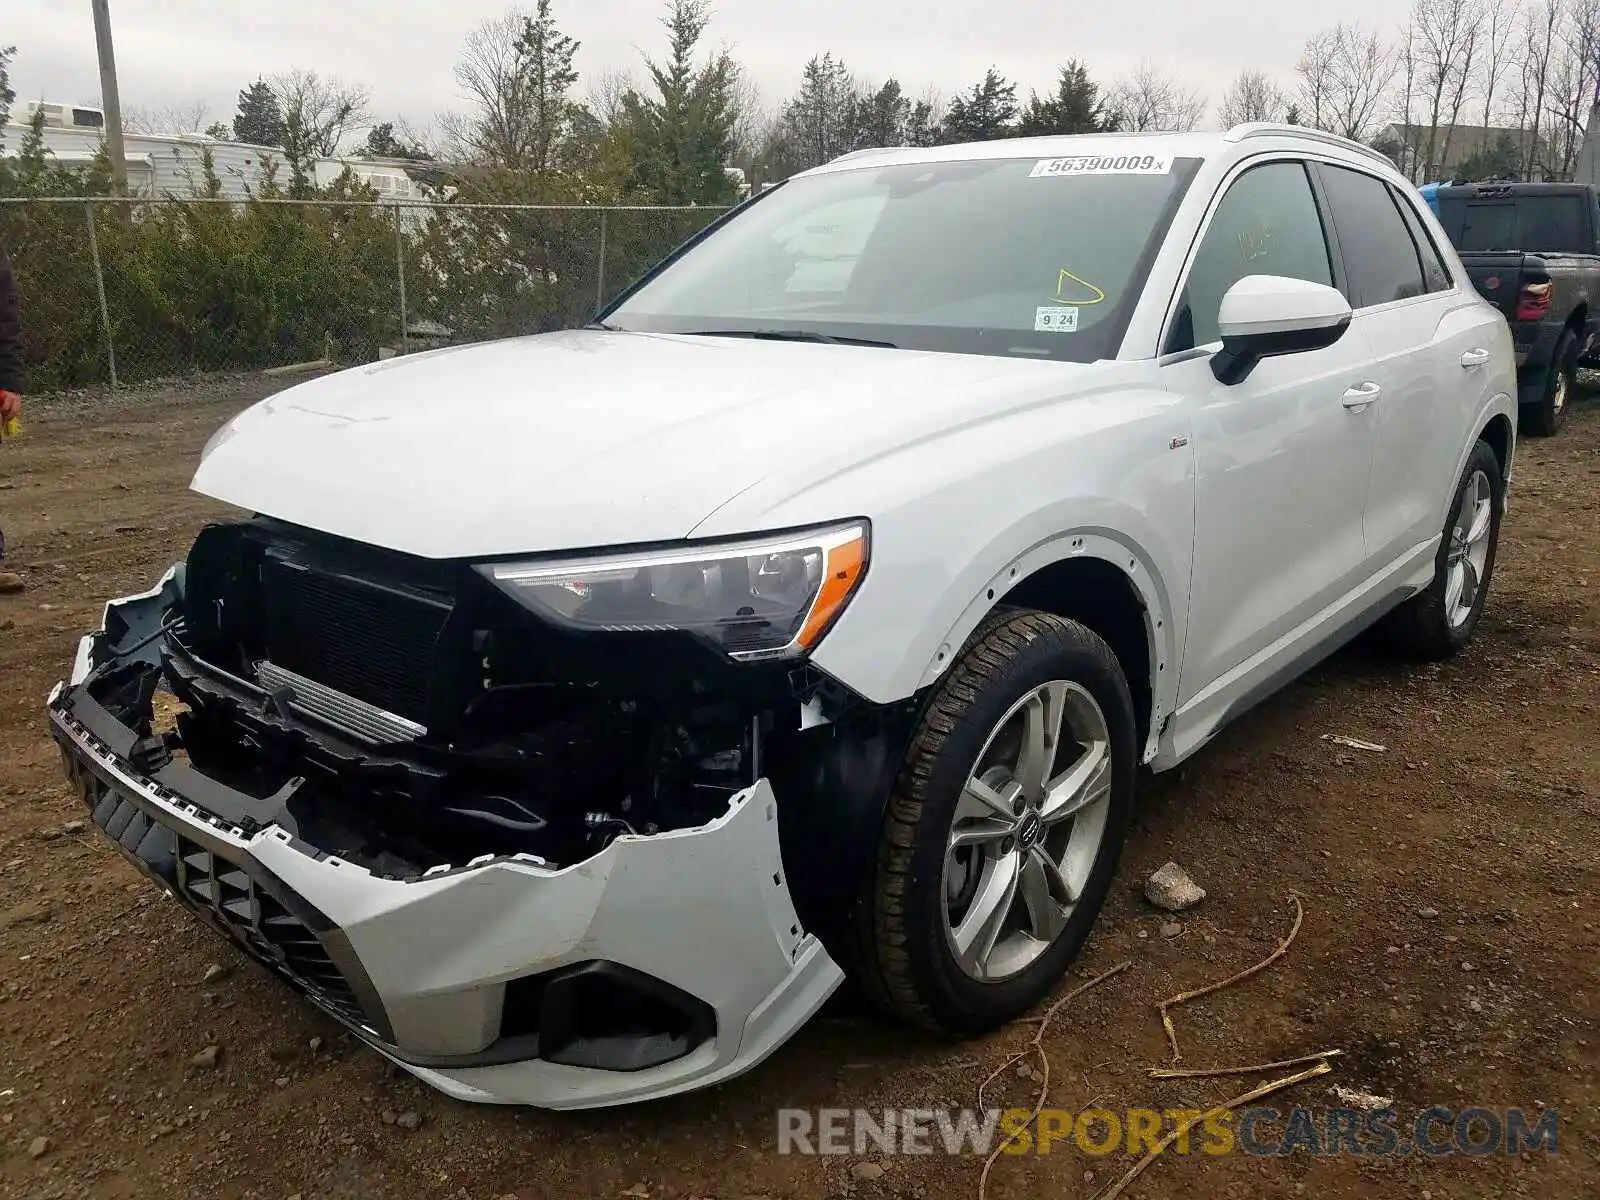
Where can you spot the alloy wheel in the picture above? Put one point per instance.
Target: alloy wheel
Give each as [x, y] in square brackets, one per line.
[1469, 549]
[1027, 831]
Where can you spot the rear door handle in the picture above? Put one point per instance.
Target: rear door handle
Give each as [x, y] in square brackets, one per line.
[1474, 358]
[1361, 395]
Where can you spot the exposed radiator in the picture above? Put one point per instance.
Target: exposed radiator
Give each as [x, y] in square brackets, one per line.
[368, 640]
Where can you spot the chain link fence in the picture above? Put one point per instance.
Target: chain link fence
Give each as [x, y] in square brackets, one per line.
[123, 292]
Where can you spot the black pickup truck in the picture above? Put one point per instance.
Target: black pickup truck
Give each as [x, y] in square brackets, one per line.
[1533, 250]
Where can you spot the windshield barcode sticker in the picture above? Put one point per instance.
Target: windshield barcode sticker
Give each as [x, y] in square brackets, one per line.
[1056, 318]
[1102, 164]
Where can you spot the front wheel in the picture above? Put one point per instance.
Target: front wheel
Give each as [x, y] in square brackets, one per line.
[1004, 829]
[1438, 622]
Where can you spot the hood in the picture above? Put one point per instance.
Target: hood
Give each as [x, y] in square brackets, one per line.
[585, 439]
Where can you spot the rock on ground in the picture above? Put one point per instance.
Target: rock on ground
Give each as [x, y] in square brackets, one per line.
[1171, 889]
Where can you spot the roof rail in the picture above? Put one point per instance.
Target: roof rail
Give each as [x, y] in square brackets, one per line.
[1255, 129]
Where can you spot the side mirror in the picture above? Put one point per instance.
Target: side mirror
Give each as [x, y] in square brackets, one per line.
[1264, 316]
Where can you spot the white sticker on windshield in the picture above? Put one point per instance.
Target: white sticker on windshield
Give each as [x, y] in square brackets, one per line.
[1055, 318]
[1102, 164]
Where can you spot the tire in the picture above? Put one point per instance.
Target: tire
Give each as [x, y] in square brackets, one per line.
[1544, 417]
[904, 947]
[1433, 624]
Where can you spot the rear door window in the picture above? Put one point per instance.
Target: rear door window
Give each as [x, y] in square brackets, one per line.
[1380, 259]
[1434, 271]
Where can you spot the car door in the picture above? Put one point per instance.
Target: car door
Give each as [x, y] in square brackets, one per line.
[1432, 344]
[1281, 459]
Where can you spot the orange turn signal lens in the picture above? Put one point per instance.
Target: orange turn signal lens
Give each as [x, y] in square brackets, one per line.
[846, 565]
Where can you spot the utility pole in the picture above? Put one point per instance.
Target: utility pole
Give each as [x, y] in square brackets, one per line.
[109, 100]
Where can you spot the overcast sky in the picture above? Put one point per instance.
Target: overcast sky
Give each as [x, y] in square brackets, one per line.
[181, 51]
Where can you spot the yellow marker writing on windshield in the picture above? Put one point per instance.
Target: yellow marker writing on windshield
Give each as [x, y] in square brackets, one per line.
[1066, 277]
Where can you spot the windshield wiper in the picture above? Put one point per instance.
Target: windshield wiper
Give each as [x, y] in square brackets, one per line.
[791, 335]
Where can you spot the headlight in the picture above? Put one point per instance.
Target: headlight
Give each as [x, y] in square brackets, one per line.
[769, 598]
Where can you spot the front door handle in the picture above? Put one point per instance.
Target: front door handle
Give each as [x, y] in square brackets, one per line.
[1474, 358]
[1361, 395]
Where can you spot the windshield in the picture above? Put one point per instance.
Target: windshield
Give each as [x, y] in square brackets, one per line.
[1039, 258]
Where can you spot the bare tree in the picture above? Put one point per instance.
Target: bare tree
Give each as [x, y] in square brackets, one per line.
[1253, 96]
[318, 113]
[607, 91]
[1498, 34]
[166, 118]
[1316, 70]
[1408, 156]
[1539, 47]
[1150, 99]
[1571, 77]
[751, 120]
[1345, 74]
[499, 130]
[1443, 44]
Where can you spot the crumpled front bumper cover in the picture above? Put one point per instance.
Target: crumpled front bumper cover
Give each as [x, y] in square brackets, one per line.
[663, 964]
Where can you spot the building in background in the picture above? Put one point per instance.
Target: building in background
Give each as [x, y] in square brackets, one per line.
[173, 164]
[161, 165]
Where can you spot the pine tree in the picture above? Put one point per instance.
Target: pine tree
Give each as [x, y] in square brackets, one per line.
[682, 135]
[922, 126]
[882, 118]
[988, 111]
[259, 120]
[546, 56]
[819, 120]
[7, 93]
[382, 142]
[1076, 106]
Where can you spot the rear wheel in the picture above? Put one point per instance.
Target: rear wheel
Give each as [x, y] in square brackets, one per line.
[1440, 621]
[1004, 829]
[1544, 416]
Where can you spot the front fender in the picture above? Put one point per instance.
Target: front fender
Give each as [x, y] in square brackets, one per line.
[917, 609]
[960, 519]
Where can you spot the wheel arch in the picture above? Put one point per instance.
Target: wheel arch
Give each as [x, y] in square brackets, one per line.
[1578, 317]
[1496, 424]
[1106, 583]
[1500, 432]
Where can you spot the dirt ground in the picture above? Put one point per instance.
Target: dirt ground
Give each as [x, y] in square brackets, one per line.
[1450, 943]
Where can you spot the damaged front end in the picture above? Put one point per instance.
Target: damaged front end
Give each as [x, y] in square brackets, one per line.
[529, 861]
